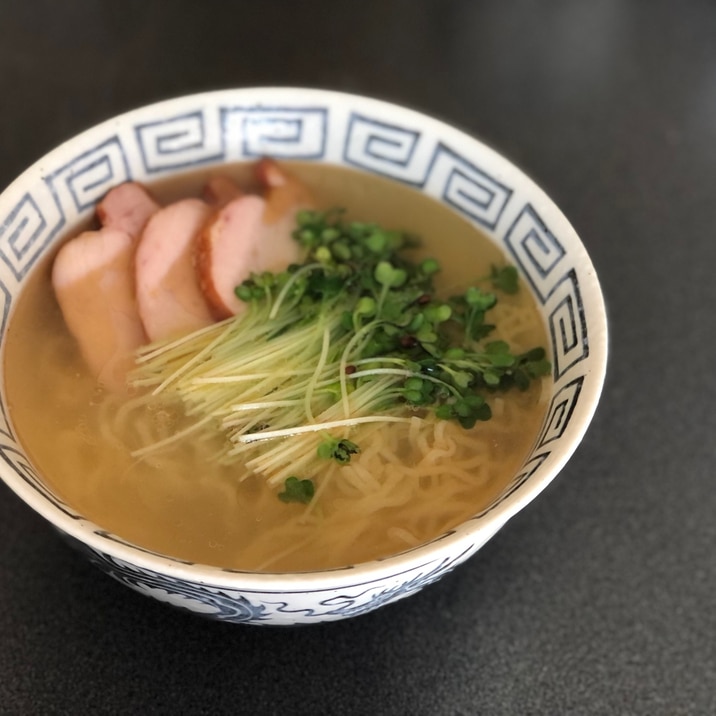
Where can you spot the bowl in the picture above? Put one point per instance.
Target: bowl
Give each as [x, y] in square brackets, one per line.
[209, 129]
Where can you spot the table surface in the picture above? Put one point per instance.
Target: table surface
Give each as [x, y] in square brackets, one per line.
[596, 599]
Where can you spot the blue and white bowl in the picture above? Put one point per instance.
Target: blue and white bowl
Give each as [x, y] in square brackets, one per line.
[206, 130]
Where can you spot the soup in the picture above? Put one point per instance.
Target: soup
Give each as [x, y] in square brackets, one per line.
[410, 481]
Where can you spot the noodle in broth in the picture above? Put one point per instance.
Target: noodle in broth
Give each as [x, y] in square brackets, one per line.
[411, 482]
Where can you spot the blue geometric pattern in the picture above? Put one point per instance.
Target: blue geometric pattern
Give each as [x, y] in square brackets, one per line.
[212, 132]
[397, 153]
[5, 432]
[24, 233]
[185, 140]
[567, 325]
[560, 411]
[5, 302]
[381, 148]
[469, 189]
[280, 132]
[89, 176]
[535, 249]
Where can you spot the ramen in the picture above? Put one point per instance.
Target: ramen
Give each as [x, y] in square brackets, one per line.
[150, 467]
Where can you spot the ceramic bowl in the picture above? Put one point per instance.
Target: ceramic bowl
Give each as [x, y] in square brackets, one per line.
[205, 130]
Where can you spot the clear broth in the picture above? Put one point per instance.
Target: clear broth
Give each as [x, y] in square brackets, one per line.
[206, 515]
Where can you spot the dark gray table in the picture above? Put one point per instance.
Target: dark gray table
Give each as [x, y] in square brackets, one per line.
[597, 599]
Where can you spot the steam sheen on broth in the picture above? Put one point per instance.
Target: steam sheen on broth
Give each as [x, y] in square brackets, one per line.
[408, 485]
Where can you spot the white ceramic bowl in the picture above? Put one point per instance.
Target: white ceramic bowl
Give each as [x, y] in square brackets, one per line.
[333, 128]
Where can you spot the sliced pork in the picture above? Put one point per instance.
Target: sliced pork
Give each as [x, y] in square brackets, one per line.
[285, 195]
[219, 190]
[250, 235]
[93, 279]
[152, 273]
[228, 251]
[127, 207]
[170, 299]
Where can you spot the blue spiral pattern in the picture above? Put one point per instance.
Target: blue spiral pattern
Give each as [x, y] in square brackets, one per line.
[560, 411]
[256, 607]
[182, 141]
[82, 182]
[24, 232]
[280, 132]
[406, 155]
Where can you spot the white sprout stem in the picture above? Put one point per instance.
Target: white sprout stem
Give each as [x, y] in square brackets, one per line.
[317, 373]
[330, 474]
[362, 400]
[284, 291]
[386, 371]
[344, 363]
[379, 359]
[153, 351]
[241, 360]
[248, 377]
[300, 430]
[172, 438]
[406, 373]
[191, 362]
[266, 404]
[301, 465]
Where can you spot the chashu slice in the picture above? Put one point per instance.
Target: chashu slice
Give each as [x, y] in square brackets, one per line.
[127, 207]
[251, 234]
[228, 251]
[219, 190]
[170, 299]
[285, 194]
[93, 279]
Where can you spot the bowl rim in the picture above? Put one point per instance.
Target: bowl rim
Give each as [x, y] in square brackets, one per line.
[470, 534]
